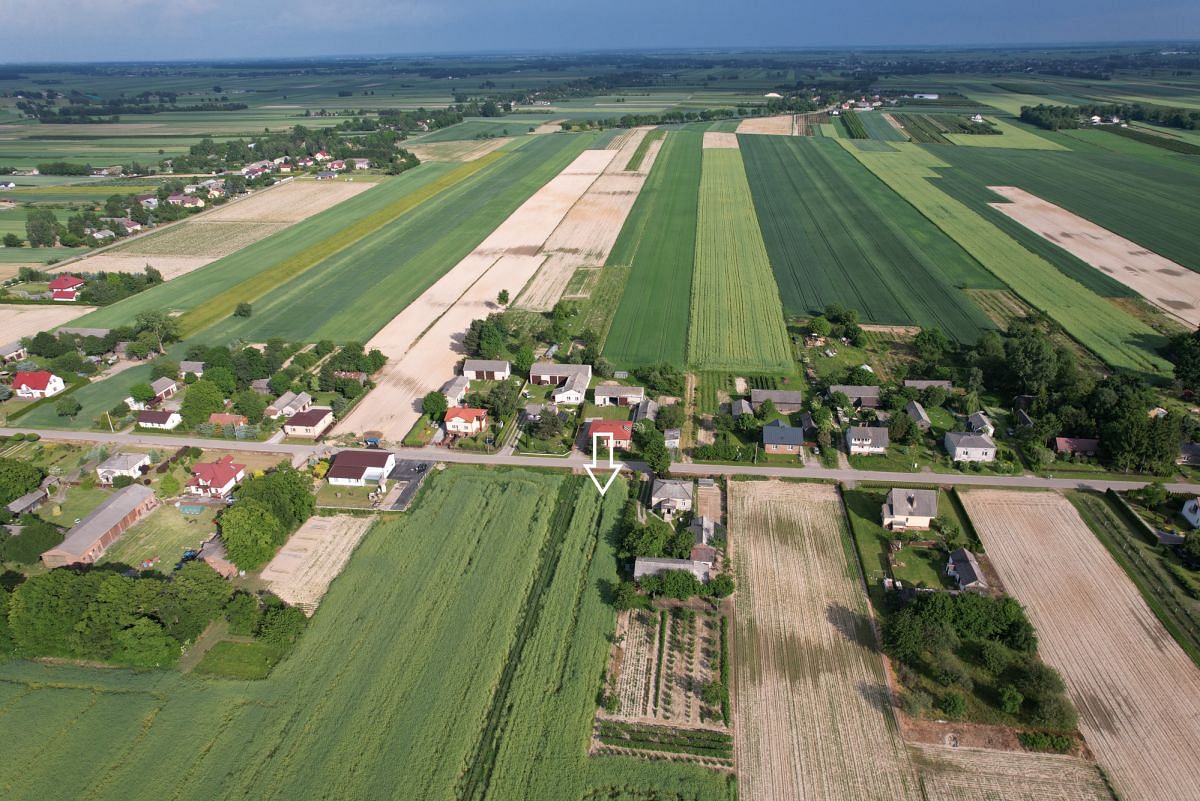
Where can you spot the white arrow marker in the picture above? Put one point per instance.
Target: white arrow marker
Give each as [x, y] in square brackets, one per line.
[616, 467]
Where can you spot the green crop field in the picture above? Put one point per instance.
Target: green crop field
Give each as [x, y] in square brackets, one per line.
[879, 128]
[1114, 336]
[837, 234]
[401, 681]
[658, 240]
[736, 315]
[1012, 136]
[487, 128]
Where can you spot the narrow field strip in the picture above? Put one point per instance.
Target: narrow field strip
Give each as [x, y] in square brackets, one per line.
[736, 315]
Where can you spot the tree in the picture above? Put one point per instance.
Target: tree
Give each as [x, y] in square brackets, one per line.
[721, 586]
[901, 428]
[223, 378]
[12, 241]
[67, 407]
[162, 326]
[670, 416]
[953, 704]
[285, 491]
[819, 327]
[248, 365]
[679, 584]
[280, 383]
[766, 409]
[169, 486]
[195, 595]
[523, 359]
[502, 399]
[243, 310]
[142, 392]
[931, 345]
[548, 426]
[201, 400]
[144, 644]
[1011, 699]
[502, 298]
[434, 404]
[242, 613]
[41, 227]
[656, 456]
[625, 596]
[1184, 351]
[250, 533]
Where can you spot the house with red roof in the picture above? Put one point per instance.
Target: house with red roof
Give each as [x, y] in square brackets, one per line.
[322, 155]
[465, 420]
[215, 479]
[66, 287]
[337, 164]
[621, 432]
[228, 419]
[37, 384]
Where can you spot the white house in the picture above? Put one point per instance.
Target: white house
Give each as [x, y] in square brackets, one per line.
[465, 421]
[310, 423]
[167, 421]
[356, 468]
[867, 440]
[980, 423]
[907, 509]
[122, 464]
[288, 404]
[12, 352]
[486, 369]
[37, 384]
[966, 447]
[617, 395]
[571, 380]
[455, 390]
[193, 367]
[670, 497]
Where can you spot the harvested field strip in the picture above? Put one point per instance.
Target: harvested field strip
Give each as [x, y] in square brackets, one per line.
[736, 317]
[19, 320]
[720, 140]
[972, 774]
[811, 705]
[457, 151]
[222, 305]
[837, 234]
[658, 243]
[635, 161]
[780, 125]
[303, 569]
[357, 292]
[1137, 692]
[1116, 337]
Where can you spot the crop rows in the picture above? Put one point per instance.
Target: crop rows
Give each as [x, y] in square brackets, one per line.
[658, 243]
[836, 234]
[635, 161]
[878, 128]
[970, 774]
[699, 742]
[736, 316]
[853, 126]
[1114, 336]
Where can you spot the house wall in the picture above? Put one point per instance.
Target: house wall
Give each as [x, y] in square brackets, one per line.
[348, 482]
[773, 448]
[910, 522]
[974, 455]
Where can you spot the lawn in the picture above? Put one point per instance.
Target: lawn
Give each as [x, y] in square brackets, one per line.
[658, 243]
[496, 705]
[837, 234]
[339, 496]
[1116, 337]
[247, 661]
[736, 316]
[78, 503]
[165, 534]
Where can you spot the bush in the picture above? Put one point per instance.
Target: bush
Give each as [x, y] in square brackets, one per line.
[1054, 712]
[916, 703]
[121, 482]
[953, 704]
[1044, 741]
[242, 614]
[1011, 699]
[281, 626]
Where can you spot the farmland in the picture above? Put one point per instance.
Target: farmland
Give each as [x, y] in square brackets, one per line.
[464, 702]
[658, 243]
[836, 234]
[303, 569]
[809, 685]
[1136, 690]
[973, 774]
[736, 318]
[1116, 337]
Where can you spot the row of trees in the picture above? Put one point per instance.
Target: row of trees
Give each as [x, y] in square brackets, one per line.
[1053, 118]
[379, 144]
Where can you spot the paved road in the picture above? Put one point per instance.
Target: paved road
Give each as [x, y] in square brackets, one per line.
[577, 461]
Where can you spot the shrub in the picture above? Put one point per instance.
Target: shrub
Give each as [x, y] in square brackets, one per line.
[953, 704]
[916, 703]
[122, 481]
[1044, 741]
[1011, 699]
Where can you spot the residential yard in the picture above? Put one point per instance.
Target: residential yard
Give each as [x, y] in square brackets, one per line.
[916, 567]
[331, 495]
[165, 534]
[75, 505]
[422, 431]
[592, 411]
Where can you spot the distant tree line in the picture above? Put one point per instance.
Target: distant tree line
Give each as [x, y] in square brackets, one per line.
[1053, 118]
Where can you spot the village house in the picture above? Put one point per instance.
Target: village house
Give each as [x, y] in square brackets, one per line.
[28, 503]
[980, 423]
[13, 352]
[1076, 446]
[964, 446]
[356, 468]
[311, 423]
[669, 497]
[213, 554]
[8, 185]
[288, 404]
[91, 537]
[617, 395]
[195, 368]
[786, 401]
[164, 388]
[486, 370]
[337, 165]
[305, 161]
[867, 440]
[779, 437]
[357, 376]
[66, 287]
[361, 164]
[867, 397]
[918, 414]
[261, 385]
[103, 234]
[122, 464]
[465, 420]
[215, 479]
[187, 201]
[809, 427]
[963, 567]
[1189, 454]
[906, 509]
[227, 419]
[37, 384]
[571, 380]
[672, 438]
[455, 390]
[740, 407]
[326, 175]
[649, 566]
[148, 201]
[164, 420]
[322, 155]
[1023, 419]
[646, 410]
[926, 383]
[621, 432]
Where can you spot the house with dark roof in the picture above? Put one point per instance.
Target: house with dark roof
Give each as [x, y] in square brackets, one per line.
[122, 464]
[91, 537]
[867, 440]
[918, 414]
[861, 396]
[311, 423]
[784, 400]
[651, 566]
[571, 380]
[165, 420]
[455, 390]
[779, 437]
[963, 446]
[963, 567]
[486, 369]
[740, 407]
[669, 497]
[1076, 446]
[13, 352]
[194, 367]
[906, 509]
[356, 468]
[618, 395]
[646, 410]
[926, 383]
[164, 388]
[980, 423]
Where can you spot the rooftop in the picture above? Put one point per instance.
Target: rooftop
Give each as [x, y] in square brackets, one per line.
[913, 502]
[84, 535]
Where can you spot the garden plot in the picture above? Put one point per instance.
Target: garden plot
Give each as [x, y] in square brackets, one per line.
[972, 774]
[1172, 287]
[313, 557]
[720, 139]
[1137, 692]
[810, 697]
[587, 234]
[424, 341]
[782, 125]
[20, 320]
[466, 150]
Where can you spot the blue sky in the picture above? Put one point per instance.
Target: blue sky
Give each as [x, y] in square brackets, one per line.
[74, 30]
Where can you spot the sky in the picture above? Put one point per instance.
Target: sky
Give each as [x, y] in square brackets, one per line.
[137, 30]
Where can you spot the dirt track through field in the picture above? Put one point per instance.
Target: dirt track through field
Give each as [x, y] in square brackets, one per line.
[25, 320]
[1171, 287]
[424, 341]
[811, 705]
[313, 557]
[587, 233]
[1137, 692]
[781, 125]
